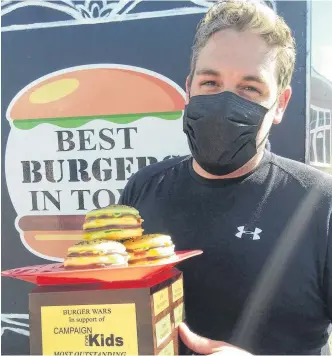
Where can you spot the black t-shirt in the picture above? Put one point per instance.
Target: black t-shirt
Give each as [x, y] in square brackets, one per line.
[282, 206]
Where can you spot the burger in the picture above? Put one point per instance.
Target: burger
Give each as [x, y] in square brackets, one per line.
[118, 95]
[96, 253]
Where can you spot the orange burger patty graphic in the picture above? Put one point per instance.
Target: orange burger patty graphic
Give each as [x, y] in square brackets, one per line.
[120, 96]
[51, 232]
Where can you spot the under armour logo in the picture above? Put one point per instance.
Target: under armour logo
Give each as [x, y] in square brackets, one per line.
[254, 234]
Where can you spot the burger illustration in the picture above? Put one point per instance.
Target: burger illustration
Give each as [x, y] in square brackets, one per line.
[117, 95]
[72, 99]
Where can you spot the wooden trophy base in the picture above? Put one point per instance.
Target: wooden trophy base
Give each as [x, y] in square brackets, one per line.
[104, 319]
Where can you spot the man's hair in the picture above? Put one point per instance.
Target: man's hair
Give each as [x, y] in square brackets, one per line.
[254, 16]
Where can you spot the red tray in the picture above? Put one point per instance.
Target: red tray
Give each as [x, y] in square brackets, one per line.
[55, 273]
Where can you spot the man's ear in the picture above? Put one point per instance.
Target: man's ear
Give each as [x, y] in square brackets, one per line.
[282, 105]
[188, 84]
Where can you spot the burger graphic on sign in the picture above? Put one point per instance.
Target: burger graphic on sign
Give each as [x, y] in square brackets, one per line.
[76, 137]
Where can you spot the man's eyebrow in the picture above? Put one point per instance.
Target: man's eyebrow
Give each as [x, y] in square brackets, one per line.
[247, 78]
[253, 78]
[206, 71]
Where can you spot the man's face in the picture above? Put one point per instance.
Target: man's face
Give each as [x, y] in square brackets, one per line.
[241, 62]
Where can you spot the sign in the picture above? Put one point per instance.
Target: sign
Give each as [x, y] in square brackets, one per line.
[80, 329]
[168, 350]
[177, 290]
[160, 301]
[163, 329]
[178, 314]
[77, 136]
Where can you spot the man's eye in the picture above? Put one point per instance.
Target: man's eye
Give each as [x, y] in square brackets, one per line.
[209, 83]
[252, 89]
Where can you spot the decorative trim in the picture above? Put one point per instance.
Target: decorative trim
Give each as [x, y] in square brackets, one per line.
[88, 12]
[17, 323]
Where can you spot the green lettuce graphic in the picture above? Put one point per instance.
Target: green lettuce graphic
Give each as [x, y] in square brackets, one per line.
[74, 122]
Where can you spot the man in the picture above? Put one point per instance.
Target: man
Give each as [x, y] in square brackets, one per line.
[264, 281]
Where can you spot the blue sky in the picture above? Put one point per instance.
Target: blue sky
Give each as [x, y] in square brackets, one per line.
[321, 56]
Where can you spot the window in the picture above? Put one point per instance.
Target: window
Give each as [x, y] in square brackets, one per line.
[328, 145]
[319, 123]
[320, 154]
[313, 118]
[320, 147]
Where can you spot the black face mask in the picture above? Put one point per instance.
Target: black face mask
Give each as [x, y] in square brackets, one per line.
[222, 130]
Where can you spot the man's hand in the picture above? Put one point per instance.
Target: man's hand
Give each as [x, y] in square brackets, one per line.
[204, 346]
